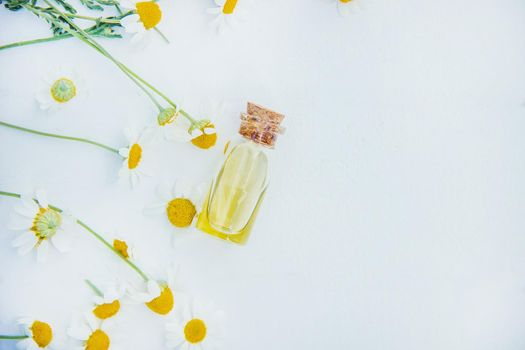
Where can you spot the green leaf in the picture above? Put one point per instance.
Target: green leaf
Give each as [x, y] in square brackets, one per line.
[15, 5]
[92, 5]
[68, 7]
[107, 2]
[104, 30]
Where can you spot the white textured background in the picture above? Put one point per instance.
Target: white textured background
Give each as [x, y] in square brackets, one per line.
[395, 217]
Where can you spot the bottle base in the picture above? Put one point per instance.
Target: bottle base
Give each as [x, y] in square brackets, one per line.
[240, 237]
[204, 225]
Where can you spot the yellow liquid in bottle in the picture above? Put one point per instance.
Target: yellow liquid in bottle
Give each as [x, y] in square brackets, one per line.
[236, 194]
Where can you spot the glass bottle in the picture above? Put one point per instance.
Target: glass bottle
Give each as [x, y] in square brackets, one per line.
[236, 194]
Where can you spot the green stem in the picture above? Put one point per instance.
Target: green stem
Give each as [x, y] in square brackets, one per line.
[9, 194]
[166, 98]
[99, 237]
[118, 8]
[95, 19]
[92, 232]
[86, 38]
[14, 337]
[92, 42]
[71, 138]
[35, 41]
[94, 288]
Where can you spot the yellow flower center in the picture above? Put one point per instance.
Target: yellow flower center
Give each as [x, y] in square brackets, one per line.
[46, 223]
[204, 140]
[98, 340]
[345, 1]
[63, 90]
[42, 333]
[121, 247]
[163, 303]
[181, 212]
[107, 310]
[195, 331]
[229, 6]
[149, 13]
[135, 155]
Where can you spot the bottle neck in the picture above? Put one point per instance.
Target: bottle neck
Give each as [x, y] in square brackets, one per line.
[256, 143]
[259, 131]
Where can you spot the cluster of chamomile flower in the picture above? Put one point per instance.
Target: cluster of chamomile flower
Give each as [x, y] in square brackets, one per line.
[194, 325]
[190, 324]
[63, 86]
[148, 14]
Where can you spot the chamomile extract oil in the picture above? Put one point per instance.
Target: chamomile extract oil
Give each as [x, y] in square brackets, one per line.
[235, 195]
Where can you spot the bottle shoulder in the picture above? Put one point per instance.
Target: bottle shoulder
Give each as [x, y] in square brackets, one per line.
[249, 147]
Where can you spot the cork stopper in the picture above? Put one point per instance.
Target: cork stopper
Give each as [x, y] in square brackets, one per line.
[261, 125]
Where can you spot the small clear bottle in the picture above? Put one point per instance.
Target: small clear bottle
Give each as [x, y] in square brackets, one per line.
[236, 194]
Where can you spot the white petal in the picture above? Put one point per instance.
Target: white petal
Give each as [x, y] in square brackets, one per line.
[172, 273]
[187, 311]
[17, 222]
[28, 201]
[61, 242]
[92, 321]
[214, 10]
[133, 178]
[124, 172]
[42, 251]
[26, 248]
[141, 38]
[153, 289]
[79, 332]
[41, 197]
[173, 327]
[26, 322]
[154, 209]
[98, 300]
[131, 24]
[128, 4]
[111, 295]
[24, 238]
[23, 210]
[131, 135]
[124, 152]
[181, 135]
[44, 99]
[164, 190]
[175, 343]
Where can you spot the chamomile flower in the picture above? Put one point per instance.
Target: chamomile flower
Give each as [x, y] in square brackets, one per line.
[198, 327]
[41, 226]
[204, 135]
[170, 125]
[146, 15]
[179, 203]
[90, 333]
[226, 14]
[123, 248]
[133, 166]
[40, 335]
[58, 88]
[158, 294]
[107, 304]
